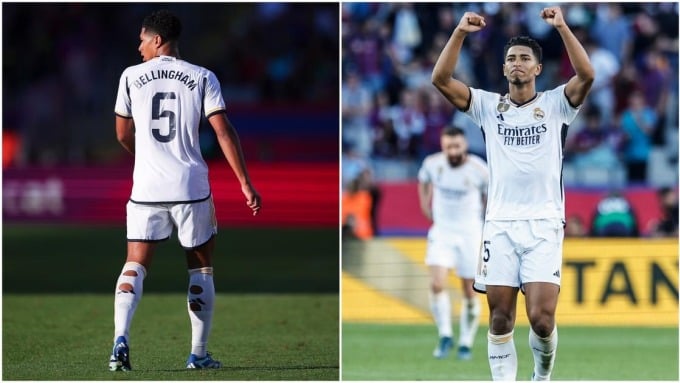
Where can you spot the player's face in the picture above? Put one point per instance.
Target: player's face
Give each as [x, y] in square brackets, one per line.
[147, 45]
[520, 65]
[455, 148]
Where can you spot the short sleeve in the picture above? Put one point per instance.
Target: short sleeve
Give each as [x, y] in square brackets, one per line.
[424, 176]
[479, 101]
[212, 101]
[123, 106]
[567, 111]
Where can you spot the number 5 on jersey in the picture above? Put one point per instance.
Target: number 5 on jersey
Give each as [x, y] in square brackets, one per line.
[487, 253]
[156, 114]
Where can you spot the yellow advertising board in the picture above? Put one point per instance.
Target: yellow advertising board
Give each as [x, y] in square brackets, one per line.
[626, 282]
[623, 282]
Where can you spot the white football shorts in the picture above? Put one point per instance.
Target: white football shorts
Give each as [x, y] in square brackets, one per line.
[454, 249]
[195, 222]
[516, 252]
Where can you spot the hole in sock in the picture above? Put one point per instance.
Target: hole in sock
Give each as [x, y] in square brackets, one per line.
[125, 288]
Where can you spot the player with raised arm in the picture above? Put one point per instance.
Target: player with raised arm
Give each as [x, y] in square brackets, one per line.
[451, 189]
[159, 107]
[524, 131]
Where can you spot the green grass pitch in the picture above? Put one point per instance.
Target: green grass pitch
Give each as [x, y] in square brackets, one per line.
[276, 313]
[404, 352]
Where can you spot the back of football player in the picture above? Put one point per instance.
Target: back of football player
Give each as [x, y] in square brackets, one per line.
[158, 109]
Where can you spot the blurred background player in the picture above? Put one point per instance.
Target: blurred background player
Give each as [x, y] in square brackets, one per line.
[451, 190]
[158, 109]
[524, 224]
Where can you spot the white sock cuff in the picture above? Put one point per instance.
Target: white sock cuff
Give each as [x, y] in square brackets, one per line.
[134, 266]
[440, 296]
[500, 339]
[543, 340]
[201, 270]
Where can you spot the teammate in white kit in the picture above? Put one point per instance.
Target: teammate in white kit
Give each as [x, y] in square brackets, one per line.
[158, 109]
[451, 189]
[524, 225]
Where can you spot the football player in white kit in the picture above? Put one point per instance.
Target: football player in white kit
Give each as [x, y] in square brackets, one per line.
[524, 131]
[159, 107]
[451, 189]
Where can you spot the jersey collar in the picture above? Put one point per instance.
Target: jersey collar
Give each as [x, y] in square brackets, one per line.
[527, 102]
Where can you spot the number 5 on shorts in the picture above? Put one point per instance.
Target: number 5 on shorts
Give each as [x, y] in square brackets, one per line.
[487, 253]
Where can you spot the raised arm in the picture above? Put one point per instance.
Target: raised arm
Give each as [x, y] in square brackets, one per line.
[579, 85]
[454, 90]
[231, 147]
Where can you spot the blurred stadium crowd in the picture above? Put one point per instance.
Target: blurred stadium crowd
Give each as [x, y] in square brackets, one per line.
[62, 62]
[627, 132]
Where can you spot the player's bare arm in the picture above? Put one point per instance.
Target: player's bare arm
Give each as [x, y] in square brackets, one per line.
[231, 147]
[425, 198]
[455, 90]
[578, 86]
[125, 132]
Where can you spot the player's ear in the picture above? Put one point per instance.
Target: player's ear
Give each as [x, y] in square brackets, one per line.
[157, 40]
[539, 68]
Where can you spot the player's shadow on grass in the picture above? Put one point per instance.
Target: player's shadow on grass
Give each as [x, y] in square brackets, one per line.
[253, 368]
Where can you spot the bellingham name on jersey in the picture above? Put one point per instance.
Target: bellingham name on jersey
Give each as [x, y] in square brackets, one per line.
[165, 74]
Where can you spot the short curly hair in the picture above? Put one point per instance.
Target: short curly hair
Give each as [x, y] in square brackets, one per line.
[525, 41]
[164, 23]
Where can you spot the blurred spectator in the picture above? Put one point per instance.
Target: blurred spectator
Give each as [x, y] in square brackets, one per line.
[360, 200]
[637, 122]
[655, 87]
[409, 124]
[667, 224]
[596, 145]
[614, 217]
[407, 34]
[437, 114]
[386, 141]
[625, 82]
[356, 108]
[612, 30]
[606, 67]
[575, 227]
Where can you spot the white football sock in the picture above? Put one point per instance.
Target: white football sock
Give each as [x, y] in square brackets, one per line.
[128, 292]
[200, 300]
[440, 305]
[502, 356]
[544, 350]
[469, 321]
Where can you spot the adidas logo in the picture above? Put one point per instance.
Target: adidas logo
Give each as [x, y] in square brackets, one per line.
[556, 274]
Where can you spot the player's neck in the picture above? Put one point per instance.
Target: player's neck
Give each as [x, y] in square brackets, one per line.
[168, 50]
[521, 93]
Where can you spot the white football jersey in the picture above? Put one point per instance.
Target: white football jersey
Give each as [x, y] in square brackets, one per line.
[167, 97]
[524, 146]
[456, 191]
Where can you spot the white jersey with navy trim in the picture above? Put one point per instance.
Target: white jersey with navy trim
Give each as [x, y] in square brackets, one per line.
[456, 191]
[524, 145]
[167, 97]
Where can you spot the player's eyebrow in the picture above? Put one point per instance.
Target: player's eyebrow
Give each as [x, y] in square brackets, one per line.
[521, 55]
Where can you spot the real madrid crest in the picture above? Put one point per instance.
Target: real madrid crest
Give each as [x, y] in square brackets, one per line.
[503, 105]
[539, 114]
